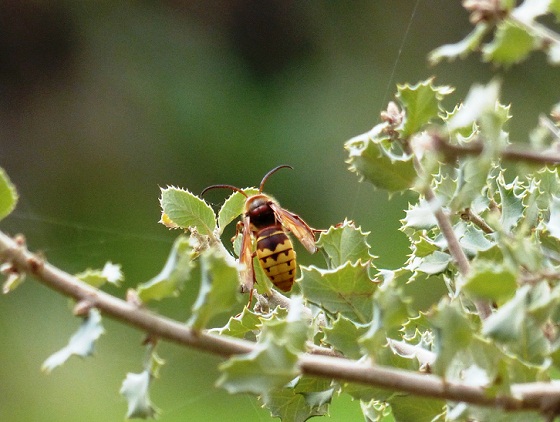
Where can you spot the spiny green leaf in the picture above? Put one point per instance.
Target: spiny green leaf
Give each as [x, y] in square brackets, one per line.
[174, 274]
[479, 101]
[461, 49]
[419, 216]
[512, 203]
[187, 210]
[8, 195]
[233, 207]
[490, 280]
[435, 263]
[376, 411]
[346, 289]
[111, 273]
[273, 362]
[286, 404]
[344, 243]
[135, 388]
[472, 178]
[506, 324]
[369, 157]
[239, 325]
[80, 344]
[421, 103]
[343, 336]
[219, 288]
[453, 333]
[553, 224]
[301, 399]
[512, 44]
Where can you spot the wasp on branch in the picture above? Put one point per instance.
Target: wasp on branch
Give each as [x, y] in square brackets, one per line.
[268, 223]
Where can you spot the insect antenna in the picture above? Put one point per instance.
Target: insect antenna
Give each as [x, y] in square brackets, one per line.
[274, 170]
[233, 188]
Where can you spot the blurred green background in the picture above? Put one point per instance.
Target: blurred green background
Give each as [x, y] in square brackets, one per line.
[103, 102]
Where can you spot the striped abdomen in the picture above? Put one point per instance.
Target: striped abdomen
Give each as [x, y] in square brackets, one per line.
[277, 256]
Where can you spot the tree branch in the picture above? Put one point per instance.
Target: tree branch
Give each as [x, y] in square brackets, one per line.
[536, 396]
[509, 153]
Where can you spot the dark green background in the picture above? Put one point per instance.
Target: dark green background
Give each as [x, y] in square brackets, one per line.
[103, 102]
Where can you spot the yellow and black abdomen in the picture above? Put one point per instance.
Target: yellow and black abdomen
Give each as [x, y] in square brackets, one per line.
[277, 256]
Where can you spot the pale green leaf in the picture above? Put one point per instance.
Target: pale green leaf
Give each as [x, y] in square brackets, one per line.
[490, 280]
[553, 224]
[269, 366]
[8, 195]
[461, 49]
[239, 325]
[135, 388]
[480, 100]
[376, 411]
[301, 399]
[506, 324]
[187, 210]
[409, 408]
[452, 331]
[372, 161]
[219, 288]
[511, 44]
[174, 274]
[344, 243]
[435, 263]
[421, 104]
[343, 336]
[529, 10]
[511, 202]
[233, 207]
[111, 273]
[347, 290]
[80, 344]
[420, 216]
[554, 7]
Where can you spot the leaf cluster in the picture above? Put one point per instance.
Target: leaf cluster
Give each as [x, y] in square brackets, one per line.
[475, 302]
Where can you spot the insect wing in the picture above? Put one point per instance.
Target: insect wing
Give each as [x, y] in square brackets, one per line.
[246, 258]
[296, 225]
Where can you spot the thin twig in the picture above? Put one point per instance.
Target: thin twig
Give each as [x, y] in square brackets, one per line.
[537, 396]
[510, 153]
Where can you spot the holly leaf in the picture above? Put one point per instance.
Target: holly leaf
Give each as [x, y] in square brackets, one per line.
[233, 207]
[80, 344]
[511, 44]
[461, 49]
[343, 336]
[135, 388]
[553, 224]
[480, 100]
[273, 361]
[506, 324]
[419, 216]
[185, 210]
[347, 290]
[301, 399]
[452, 332]
[512, 203]
[417, 409]
[490, 280]
[239, 325]
[421, 103]
[174, 274]
[111, 273]
[344, 243]
[370, 156]
[219, 288]
[8, 195]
